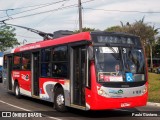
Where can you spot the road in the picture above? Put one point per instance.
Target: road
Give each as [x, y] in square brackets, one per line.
[25, 105]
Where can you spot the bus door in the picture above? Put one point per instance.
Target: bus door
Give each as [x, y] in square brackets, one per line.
[78, 73]
[35, 73]
[9, 71]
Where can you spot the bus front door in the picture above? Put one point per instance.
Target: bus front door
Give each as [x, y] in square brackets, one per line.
[78, 73]
[35, 74]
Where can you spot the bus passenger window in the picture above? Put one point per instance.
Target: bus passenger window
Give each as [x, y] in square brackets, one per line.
[59, 62]
[46, 69]
[59, 70]
[59, 53]
[26, 61]
[46, 62]
[17, 62]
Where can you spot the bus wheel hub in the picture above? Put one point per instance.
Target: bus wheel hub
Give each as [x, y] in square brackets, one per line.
[60, 100]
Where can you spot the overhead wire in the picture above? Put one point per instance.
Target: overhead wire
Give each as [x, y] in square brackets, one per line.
[69, 6]
[48, 15]
[41, 12]
[26, 36]
[52, 12]
[122, 10]
[47, 4]
[31, 6]
[6, 9]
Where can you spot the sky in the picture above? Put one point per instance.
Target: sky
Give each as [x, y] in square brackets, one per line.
[54, 15]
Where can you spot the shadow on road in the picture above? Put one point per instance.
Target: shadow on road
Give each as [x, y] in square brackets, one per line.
[71, 112]
[101, 113]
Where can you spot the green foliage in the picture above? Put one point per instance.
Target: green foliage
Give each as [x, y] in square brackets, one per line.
[154, 87]
[7, 37]
[145, 31]
[156, 49]
[114, 29]
[85, 29]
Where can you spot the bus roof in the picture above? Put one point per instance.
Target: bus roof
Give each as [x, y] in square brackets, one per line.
[113, 33]
[58, 41]
[66, 39]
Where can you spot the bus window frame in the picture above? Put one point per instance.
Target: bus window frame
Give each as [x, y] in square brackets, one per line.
[44, 62]
[123, 84]
[52, 62]
[120, 84]
[20, 61]
[56, 62]
[87, 44]
[27, 63]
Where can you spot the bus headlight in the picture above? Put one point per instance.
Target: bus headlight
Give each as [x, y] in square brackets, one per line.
[144, 90]
[101, 92]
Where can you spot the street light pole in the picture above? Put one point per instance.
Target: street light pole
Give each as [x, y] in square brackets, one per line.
[80, 15]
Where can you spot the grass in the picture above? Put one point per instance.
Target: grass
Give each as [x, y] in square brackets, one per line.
[154, 87]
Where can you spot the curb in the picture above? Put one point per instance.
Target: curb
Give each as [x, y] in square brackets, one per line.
[153, 104]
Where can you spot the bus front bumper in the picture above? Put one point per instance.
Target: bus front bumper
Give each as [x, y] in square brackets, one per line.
[103, 103]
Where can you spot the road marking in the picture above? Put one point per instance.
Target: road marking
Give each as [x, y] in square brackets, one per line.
[28, 110]
[14, 106]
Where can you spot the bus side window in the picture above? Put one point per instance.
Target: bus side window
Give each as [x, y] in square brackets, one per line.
[59, 70]
[26, 63]
[59, 62]
[46, 62]
[17, 62]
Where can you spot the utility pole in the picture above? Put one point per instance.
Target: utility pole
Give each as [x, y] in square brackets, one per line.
[80, 15]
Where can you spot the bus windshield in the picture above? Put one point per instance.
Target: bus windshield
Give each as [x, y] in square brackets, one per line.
[119, 64]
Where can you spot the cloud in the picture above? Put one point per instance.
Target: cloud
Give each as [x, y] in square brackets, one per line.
[101, 19]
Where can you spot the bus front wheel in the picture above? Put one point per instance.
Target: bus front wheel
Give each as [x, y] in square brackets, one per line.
[59, 100]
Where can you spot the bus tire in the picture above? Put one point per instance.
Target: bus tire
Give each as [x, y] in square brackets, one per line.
[59, 100]
[17, 90]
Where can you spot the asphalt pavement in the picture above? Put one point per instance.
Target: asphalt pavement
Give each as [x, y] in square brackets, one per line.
[32, 109]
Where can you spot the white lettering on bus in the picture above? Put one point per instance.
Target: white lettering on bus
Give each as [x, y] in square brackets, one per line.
[16, 74]
[30, 47]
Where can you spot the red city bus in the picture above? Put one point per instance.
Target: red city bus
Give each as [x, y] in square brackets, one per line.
[88, 71]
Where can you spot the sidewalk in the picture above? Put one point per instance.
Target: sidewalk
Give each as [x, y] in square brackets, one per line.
[153, 104]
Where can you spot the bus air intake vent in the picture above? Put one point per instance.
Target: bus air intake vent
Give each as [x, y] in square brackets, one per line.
[61, 33]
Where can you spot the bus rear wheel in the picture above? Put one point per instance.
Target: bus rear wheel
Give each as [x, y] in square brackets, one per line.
[59, 100]
[17, 90]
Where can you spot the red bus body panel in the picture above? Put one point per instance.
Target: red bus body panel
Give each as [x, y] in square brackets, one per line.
[23, 78]
[97, 102]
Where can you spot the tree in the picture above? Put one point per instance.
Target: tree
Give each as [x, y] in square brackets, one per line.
[85, 29]
[156, 48]
[7, 37]
[145, 31]
[114, 29]
[140, 28]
